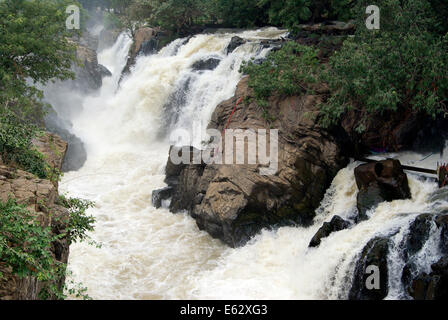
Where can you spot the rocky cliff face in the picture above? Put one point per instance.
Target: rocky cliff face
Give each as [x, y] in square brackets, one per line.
[234, 202]
[145, 42]
[40, 197]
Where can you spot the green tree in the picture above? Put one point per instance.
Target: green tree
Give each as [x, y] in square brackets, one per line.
[401, 66]
[34, 48]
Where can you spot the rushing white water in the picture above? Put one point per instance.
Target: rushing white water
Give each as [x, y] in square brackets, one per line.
[153, 254]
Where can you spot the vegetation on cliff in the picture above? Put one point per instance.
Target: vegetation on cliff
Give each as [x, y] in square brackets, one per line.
[34, 50]
[25, 245]
[401, 66]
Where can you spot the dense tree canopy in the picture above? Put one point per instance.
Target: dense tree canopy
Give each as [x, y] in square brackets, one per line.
[402, 65]
[34, 48]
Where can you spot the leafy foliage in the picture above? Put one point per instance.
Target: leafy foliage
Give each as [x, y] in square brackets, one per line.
[291, 70]
[25, 245]
[402, 65]
[16, 147]
[34, 49]
[80, 223]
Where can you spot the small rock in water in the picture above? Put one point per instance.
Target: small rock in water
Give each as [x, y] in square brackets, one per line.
[158, 196]
[336, 224]
[379, 182]
[235, 42]
[208, 64]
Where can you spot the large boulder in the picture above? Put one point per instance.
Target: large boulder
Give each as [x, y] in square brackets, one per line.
[158, 196]
[433, 286]
[336, 224]
[403, 129]
[144, 43]
[374, 254]
[378, 182]
[234, 202]
[90, 74]
[421, 285]
[419, 232]
[442, 224]
[206, 64]
[234, 43]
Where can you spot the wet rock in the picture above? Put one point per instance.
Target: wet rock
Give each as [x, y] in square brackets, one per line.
[149, 47]
[400, 130]
[433, 286]
[379, 182]
[235, 42]
[142, 43]
[76, 155]
[374, 254]
[103, 71]
[89, 76]
[336, 224]
[160, 195]
[208, 64]
[442, 223]
[234, 202]
[418, 234]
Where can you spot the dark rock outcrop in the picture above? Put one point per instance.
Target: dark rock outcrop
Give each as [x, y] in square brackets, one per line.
[143, 38]
[420, 285]
[379, 182]
[400, 130]
[418, 234]
[442, 223]
[433, 286]
[209, 64]
[160, 195]
[234, 202]
[89, 76]
[336, 224]
[235, 42]
[374, 254]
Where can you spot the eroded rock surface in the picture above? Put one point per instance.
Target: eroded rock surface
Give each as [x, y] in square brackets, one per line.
[234, 202]
[378, 182]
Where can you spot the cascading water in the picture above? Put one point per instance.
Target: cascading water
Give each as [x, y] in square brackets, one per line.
[154, 254]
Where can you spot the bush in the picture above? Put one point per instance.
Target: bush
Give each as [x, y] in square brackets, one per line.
[290, 71]
[16, 147]
[25, 245]
[79, 223]
[401, 66]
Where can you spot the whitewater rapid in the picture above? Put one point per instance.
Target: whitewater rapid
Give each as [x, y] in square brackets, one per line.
[153, 254]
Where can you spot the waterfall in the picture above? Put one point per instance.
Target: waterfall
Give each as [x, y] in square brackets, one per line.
[150, 253]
